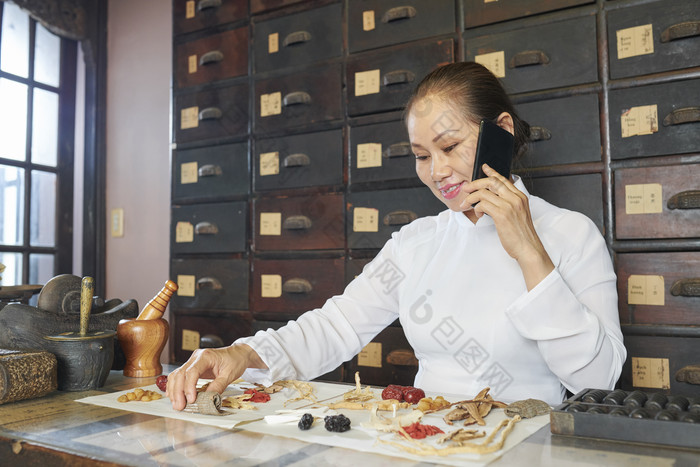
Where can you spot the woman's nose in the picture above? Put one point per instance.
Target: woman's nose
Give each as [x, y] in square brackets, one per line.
[440, 168]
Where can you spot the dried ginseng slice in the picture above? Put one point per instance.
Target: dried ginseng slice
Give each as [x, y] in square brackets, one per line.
[207, 403]
[528, 408]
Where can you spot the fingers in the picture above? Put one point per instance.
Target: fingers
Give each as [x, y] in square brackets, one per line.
[495, 188]
[182, 383]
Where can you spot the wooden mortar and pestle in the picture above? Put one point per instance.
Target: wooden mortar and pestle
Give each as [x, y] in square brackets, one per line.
[84, 359]
[143, 339]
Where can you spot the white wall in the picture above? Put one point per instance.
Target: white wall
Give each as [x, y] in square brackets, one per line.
[139, 36]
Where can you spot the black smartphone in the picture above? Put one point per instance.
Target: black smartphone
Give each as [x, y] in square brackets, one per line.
[495, 148]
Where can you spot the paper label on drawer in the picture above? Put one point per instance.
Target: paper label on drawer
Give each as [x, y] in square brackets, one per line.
[371, 355]
[369, 155]
[367, 82]
[638, 40]
[189, 118]
[269, 163]
[368, 20]
[365, 220]
[270, 223]
[189, 173]
[185, 285]
[184, 232]
[645, 290]
[192, 64]
[650, 373]
[190, 339]
[494, 61]
[271, 285]
[273, 43]
[270, 104]
[189, 9]
[642, 120]
[490, 1]
[643, 198]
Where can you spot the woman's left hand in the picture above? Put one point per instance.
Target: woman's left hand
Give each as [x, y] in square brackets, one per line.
[510, 210]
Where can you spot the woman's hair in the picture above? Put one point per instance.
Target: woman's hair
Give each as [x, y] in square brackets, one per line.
[475, 92]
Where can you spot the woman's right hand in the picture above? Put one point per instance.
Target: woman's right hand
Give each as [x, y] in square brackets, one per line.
[223, 365]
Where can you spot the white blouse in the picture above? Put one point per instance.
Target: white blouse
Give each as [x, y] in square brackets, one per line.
[465, 309]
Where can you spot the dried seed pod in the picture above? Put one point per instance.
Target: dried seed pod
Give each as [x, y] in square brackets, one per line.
[207, 403]
[528, 408]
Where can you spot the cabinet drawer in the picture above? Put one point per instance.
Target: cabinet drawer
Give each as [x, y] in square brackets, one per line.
[215, 113]
[652, 38]
[212, 58]
[211, 284]
[211, 172]
[298, 100]
[388, 359]
[655, 120]
[209, 228]
[377, 23]
[298, 39]
[192, 331]
[354, 267]
[300, 223]
[381, 81]
[258, 6]
[540, 57]
[284, 289]
[659, 288]
[480, 12]
[658, 362]
[193, 15]
[581, 193]
[381, 152]
[372, 216]
[311, 159]
[556, 140]
[657, 202]
[333, 375]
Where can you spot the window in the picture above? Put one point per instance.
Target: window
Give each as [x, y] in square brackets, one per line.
[37, 124]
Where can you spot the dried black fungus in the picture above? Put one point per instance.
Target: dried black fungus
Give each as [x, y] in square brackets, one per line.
[337, 423]
[306, 421]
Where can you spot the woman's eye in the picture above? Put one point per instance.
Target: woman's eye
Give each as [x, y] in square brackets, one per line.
[450, 147]
[421, 158]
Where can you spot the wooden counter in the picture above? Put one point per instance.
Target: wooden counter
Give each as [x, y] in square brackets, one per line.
[56, 430]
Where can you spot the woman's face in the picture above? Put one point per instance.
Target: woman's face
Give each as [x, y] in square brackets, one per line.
[444, 144]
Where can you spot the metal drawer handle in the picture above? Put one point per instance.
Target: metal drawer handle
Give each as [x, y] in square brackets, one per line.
[210, 113]
[296, 98]
[213, 56]
[209, 170]
[401, 149]
[398, 77]
[540, 133]
[206, 4]
[209, 283]
[683, 115]
[686, 287]
[210, 341]
[296, 285]
[297, 223]
[297, 37]
[685, 200]
[528, 58]
[681, 31]
[400, 218]
[689, 374]
[206, 228]
[296, 160]
[398, 13]
[402, 357]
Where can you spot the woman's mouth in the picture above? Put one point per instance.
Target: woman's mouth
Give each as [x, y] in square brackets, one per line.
[450, 191]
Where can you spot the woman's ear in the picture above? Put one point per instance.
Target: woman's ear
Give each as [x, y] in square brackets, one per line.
[505, 121]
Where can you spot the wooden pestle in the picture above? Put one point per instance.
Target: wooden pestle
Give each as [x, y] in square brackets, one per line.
[156, 307]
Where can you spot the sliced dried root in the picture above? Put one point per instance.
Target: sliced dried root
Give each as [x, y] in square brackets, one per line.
[474, 410]
[485, 447]
[430, 405]
[358, 394]
[242, 402]
[305, 390]
[388, 404]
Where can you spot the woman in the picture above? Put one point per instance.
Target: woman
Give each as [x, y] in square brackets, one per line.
[513, 293]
